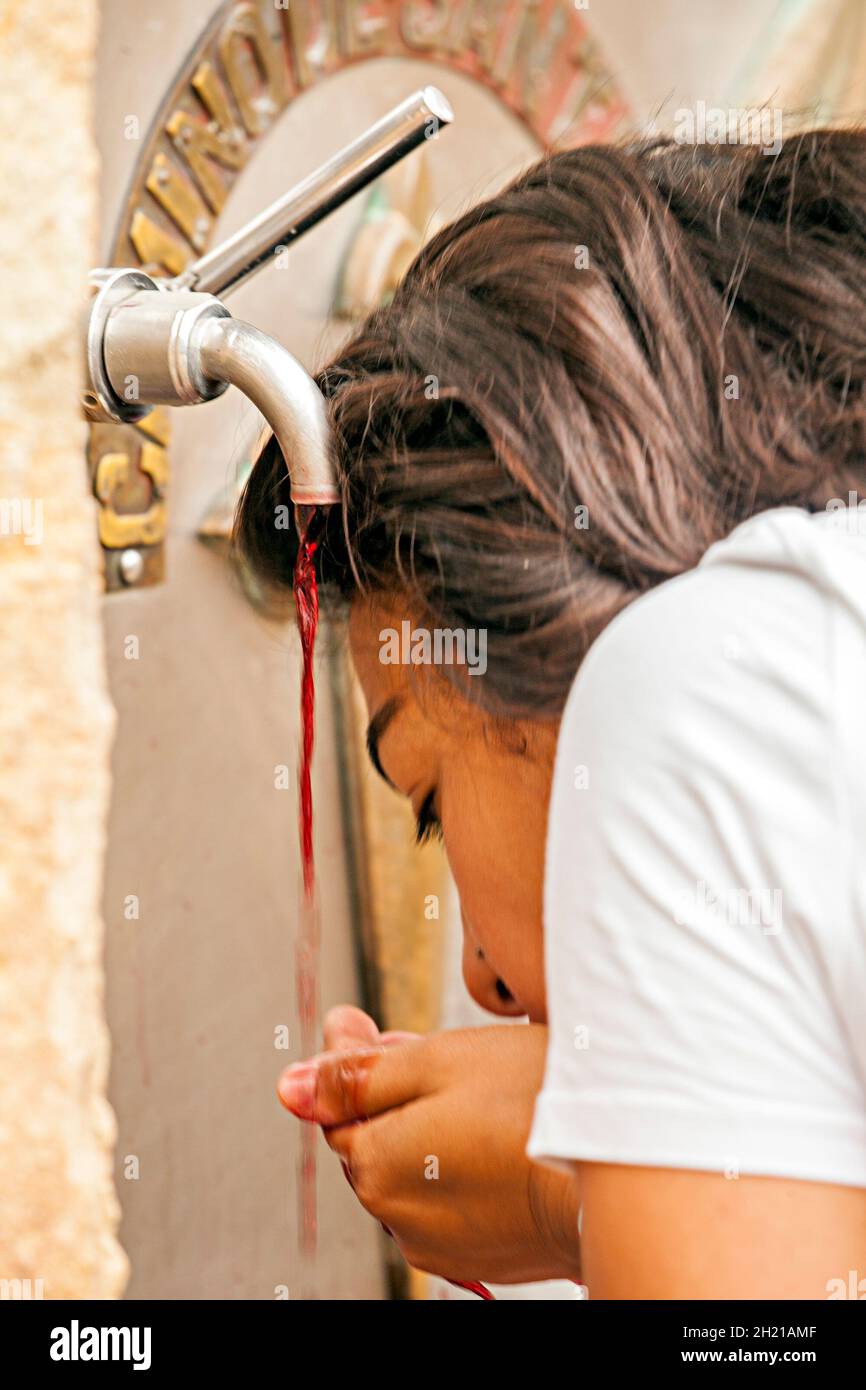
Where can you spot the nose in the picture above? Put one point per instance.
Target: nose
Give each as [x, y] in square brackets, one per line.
[484, 985]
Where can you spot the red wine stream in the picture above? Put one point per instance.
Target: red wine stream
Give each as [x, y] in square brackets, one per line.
[307, 944]
[307, 947]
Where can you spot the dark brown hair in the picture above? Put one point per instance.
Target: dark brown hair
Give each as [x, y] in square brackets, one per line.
[702, 359]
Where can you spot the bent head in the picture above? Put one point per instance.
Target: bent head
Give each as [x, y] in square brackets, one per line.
[578, 387]
[478, 781]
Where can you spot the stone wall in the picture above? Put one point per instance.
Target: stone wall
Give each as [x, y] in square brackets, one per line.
[58, 1209]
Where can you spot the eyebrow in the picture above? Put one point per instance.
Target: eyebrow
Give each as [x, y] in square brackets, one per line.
[376, 732]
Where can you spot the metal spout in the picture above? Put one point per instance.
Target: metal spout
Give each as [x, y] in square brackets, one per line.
[172, 342]
[237, 353]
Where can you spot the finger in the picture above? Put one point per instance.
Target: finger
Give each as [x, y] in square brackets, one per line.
[301, 1083]
[345, 1086]
[346, 1028]
[346, 1169]
[342, 1140]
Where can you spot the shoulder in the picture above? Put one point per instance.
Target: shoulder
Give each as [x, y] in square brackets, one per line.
[734, 642]
[703, 932]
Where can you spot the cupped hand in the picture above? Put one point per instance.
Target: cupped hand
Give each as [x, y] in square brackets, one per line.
[432, 1133]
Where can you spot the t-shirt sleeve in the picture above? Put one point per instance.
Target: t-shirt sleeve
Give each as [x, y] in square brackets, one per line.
[696, 908]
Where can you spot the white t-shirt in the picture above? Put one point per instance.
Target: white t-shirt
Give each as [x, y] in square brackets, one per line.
[705, 888]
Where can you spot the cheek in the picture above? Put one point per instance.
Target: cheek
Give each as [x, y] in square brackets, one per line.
[495, 843]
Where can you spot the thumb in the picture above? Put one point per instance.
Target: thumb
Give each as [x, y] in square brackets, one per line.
[346, 1028]
[340, 1087]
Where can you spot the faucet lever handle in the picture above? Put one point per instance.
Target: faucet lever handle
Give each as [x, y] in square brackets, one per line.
[408, 125]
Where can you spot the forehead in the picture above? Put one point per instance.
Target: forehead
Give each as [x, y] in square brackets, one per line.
[369, 617]
[422, 689]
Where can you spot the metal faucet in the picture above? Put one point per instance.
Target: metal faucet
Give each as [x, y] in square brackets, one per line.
[173, 342]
